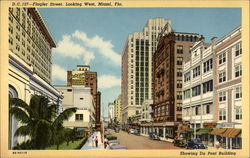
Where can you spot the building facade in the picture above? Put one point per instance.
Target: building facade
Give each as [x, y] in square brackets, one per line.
[81, 98]
[30, 40]
[111, 112]
[173, 48]
[146, 119]
[198, 85]
[228, 85]
[117, 103]
[137, 66]
[83, 76]
[30, 45]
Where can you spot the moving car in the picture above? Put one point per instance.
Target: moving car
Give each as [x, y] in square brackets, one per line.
[132, 131]
[195, 144]
[180, 142]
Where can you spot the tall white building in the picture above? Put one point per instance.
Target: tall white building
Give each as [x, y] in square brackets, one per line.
[137, 66]
[111, 111]
[81, 98]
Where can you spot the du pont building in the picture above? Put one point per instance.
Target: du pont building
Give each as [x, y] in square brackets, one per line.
[172, 50]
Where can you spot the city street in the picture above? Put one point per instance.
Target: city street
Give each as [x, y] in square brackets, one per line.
[140, 142]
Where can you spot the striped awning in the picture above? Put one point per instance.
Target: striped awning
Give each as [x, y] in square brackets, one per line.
[231, 133]
[217, 131]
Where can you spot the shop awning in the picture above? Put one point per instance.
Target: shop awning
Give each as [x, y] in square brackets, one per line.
[202, 131]
[231, 133]
[217, 131]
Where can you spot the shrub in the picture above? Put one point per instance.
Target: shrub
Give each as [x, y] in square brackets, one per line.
[82, 143]
[111, 137]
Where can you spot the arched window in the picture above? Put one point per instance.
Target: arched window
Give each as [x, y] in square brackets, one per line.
[12, 94]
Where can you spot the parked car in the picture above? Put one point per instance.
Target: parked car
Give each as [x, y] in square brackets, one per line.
[195, 144]
[136, 132]
[118, 147]
[154, 136]
[113, 142]
[180, 142]
[117, 129]
[132, 131]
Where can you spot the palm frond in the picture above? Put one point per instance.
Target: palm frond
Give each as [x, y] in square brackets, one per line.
[51, 112]
[16, 102]
[23, 131]
[20, 114]
[64, 115]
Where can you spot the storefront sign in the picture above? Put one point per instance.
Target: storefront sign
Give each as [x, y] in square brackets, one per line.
[209, 125]
[78, 78]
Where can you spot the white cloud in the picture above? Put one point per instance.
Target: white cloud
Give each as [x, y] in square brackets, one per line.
[104, 48]
[58, 73]
[68, 48]
[108, 81]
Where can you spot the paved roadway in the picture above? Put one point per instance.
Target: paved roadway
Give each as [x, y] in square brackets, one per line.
[141, 142]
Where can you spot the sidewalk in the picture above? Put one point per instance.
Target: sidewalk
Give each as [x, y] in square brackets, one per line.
[88, 144]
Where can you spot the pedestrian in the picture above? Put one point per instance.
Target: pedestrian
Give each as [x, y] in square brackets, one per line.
[105, 143]
[93, 141]
[96, 141]
[217, 144]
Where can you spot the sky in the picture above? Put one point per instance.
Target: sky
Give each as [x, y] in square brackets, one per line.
[96, 37]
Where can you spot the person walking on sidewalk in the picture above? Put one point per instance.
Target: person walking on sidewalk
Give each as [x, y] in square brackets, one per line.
[93, 141]
[96, 141]
[105, 143]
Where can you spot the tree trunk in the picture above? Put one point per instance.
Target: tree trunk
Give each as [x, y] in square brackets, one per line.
[57, 147]
[67, 143]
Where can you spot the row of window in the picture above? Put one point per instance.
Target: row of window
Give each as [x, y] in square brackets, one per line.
[196, 110]
[207, 87]
[223, 114]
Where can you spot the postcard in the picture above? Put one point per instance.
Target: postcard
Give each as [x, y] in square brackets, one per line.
[124, 78]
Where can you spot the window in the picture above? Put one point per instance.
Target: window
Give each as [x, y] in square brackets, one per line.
[69, 90]
[187, 94]
[79, 117]
[238, 114]
[10, 40]
[196, 90]
[207, 108]
[196, 71]
[198, 110]
[187, 77]
[208, 65]
[208, 86]
[238, 49]
[179, 49]
[179, 60]
[238, 92]
[222, 77]
[81, 98]
[17, 47]
[11, 29]
[179, 83]
[222, 114]
[238, 70]
[222, 58]
[222, 96]
[179, 95]
[179, 72]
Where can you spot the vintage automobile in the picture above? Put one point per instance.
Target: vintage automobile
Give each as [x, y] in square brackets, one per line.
[195, 144]
[180, 142]
[113, 142]
[118, 147]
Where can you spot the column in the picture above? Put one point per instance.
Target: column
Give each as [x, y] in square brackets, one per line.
[164, 132]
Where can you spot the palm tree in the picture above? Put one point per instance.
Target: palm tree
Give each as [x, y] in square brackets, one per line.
[38, 119]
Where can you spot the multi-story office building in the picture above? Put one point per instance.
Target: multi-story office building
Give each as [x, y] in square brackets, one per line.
[228, 78]
[146, 120]
[30, 40]
[111, 112]
[29, 52]
[137, 66]
[79, 97]
[198, 85]
[82, 76]
[173, 48]
[117, 103]
[98, 111]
